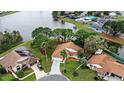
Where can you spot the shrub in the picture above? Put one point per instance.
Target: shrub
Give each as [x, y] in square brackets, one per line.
[2, 71]
[97, 78]
[75, 74]
[64, 70]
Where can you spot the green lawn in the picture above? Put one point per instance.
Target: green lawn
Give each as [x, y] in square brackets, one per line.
[6, 77]
[79, 25]
[7, 13]
[84, 74]
[24, 72]
[30, 78]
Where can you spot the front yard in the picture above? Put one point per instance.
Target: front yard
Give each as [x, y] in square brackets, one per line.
[84, 74]
[46, 65]
[24, 72]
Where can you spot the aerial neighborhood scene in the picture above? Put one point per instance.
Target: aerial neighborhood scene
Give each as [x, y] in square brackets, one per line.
[61, 46]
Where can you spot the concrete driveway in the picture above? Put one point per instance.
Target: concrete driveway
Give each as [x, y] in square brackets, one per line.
[55, 69]
[38, 73]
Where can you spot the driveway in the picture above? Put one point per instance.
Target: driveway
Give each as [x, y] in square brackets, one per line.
[38, 73]
[55, 69]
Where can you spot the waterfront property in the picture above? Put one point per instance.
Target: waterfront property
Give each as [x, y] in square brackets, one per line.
[107, 67]
[18, 59]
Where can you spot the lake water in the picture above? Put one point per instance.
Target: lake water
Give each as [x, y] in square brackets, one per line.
[25, 22]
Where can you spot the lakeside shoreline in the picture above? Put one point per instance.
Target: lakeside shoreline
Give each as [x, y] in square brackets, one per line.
[7, 13]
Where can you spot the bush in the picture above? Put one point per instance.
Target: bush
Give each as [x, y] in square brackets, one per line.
[2, 71]
[64, 70]
[97, 78]
[75, 74]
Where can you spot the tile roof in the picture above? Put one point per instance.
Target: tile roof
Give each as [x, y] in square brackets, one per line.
[108, 64]
[71, 45]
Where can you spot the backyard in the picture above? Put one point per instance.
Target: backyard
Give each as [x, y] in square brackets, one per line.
[79, 25]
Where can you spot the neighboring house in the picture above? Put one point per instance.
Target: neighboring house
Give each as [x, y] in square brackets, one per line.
[71, 50]
[112, 14]
[106, 67]
[17, 60]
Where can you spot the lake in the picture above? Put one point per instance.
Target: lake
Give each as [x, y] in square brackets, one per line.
[25, 22]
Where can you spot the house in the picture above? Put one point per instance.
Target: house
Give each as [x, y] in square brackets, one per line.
[112, 14]
[17, 60]
[107, 67]
[71, 49]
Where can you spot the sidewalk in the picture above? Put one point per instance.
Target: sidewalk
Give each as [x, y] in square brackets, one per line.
[39, 74]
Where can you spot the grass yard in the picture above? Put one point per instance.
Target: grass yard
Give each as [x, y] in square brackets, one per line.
[79, 25]
[30, 78]
[24, 72]
[6, 77]
[84, 74]
[7, 13]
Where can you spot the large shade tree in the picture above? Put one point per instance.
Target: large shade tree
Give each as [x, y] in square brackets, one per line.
[44, 31]
[64, 34]
[82, 36]
[114, 27]
[38, 40]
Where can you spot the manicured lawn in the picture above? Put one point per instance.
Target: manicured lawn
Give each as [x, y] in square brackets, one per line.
[6, 77]
[7, 13]
[85, 74]
[24, 72]
[79, 25]
[30, 78]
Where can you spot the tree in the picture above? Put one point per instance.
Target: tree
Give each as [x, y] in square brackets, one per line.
[38, 40]
[82, 35]
[82, 62]
[64, 55]
[36, 32]
[62, 13]
[1, 37]
[44, 46]
[114, 27]
[55, 15]
[44, 31]
[57, 34]
[64, 34]
[47, 31]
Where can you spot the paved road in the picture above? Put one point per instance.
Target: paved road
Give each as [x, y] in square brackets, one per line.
[38, 73]
[55, 69]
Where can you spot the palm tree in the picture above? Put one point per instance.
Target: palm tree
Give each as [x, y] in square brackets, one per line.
[43, 47]
[64, 55]
[82, 62]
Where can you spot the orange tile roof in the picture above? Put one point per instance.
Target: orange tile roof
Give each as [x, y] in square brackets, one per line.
[71, 45]
[108, 64]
